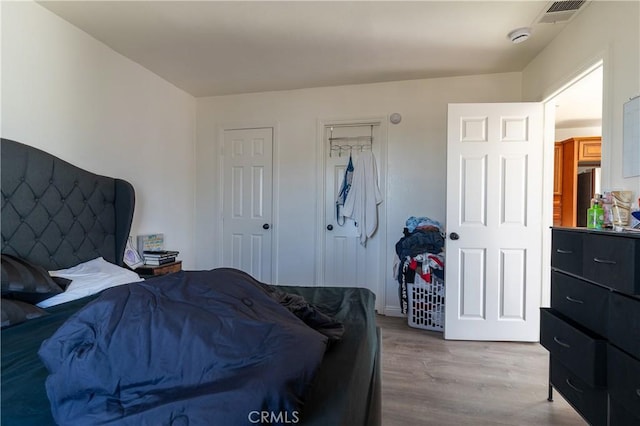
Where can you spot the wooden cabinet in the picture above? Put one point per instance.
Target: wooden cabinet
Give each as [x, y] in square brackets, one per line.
[589, 150]
[147, 271]
[592, 327]
[557, 184]
[569, 155]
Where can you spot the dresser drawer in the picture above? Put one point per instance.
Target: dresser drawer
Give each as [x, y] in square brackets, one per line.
[612, 261]
[624, 323]
[579, 350]
[620, 416]
[590, 402]
[624, 379]
[581, 301]
[566, 251]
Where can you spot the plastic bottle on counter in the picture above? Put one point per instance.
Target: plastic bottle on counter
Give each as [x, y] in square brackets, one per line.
[595, 215]
[599, 215]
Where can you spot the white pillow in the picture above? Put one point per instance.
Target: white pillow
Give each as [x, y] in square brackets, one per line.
[89, 278]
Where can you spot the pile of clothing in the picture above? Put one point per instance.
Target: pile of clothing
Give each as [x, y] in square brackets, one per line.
[420, 255]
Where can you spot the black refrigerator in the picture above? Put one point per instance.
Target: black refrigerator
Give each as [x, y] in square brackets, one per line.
[584, 194]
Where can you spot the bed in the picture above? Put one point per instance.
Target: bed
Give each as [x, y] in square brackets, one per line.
[56, 216]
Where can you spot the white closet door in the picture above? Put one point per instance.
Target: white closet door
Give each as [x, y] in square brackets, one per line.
[346, 263]
[247, 201]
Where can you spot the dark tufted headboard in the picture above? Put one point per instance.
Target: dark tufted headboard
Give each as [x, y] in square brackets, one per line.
[57, 215]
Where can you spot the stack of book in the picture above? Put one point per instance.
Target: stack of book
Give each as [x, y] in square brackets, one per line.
[159, 257]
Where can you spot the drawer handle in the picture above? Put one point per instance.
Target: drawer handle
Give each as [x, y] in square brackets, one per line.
[560, 342]
[638, 392]
[571, 299]
[574, 387]
[605, 261]
[562, 251]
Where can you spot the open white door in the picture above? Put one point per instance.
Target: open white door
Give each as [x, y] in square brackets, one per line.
[494, 221]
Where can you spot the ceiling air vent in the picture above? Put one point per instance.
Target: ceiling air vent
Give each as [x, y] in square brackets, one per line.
[560, 11]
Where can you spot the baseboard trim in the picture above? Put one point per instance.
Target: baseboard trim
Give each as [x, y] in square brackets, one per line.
[393, 311]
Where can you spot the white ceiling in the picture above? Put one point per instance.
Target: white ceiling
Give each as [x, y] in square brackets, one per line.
[220, 47]
[210, 48]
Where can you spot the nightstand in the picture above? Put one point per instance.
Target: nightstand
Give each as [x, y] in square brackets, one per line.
[149, 271]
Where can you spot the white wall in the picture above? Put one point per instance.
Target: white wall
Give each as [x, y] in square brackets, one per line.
[416, 157]
[571, 132]
[604, 30]
[68, 94]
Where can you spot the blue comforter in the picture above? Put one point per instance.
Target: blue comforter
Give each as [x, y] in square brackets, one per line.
[192, 348]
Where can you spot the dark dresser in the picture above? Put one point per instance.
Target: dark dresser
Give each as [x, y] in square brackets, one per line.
[592, 329]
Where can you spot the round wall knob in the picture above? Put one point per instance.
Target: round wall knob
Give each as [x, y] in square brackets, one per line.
[454, 236]
[265, 226]
[329, 227]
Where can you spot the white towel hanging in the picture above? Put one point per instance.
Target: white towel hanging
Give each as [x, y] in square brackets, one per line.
[364, 196]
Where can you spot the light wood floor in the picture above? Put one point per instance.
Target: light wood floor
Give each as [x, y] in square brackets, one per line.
[427, 380]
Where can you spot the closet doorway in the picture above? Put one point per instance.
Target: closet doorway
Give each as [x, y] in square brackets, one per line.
[343, 261]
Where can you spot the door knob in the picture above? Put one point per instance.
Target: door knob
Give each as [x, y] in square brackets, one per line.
[454, 236]
[329, 227]
[265, 226]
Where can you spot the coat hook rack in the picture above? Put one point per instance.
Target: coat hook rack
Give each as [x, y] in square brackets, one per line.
[343, 144]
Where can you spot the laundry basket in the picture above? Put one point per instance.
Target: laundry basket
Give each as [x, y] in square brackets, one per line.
[426, 304]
